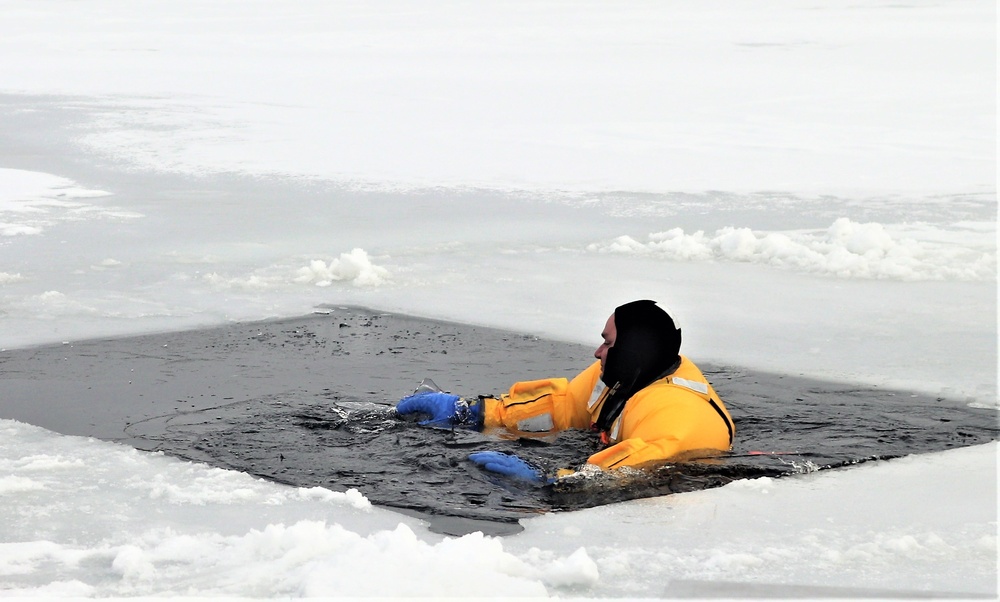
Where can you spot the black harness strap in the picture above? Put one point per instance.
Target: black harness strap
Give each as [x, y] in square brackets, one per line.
[729, 425]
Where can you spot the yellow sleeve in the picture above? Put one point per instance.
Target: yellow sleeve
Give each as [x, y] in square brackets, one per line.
[544, 406]
[635, 451]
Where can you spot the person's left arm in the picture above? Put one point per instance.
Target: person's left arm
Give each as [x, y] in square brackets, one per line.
[661, 427]
[636, 451]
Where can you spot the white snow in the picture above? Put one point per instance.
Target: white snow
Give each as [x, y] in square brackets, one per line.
[355, 267]
[846, 249]
[811, 188]
[817, 529]
[89, 518]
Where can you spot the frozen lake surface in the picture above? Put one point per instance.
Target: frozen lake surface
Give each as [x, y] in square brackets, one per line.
[810, 189]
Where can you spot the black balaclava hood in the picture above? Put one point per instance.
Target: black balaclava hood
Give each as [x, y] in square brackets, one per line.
[647, 347]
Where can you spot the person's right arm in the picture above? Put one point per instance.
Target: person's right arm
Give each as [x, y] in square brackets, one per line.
[547, 405]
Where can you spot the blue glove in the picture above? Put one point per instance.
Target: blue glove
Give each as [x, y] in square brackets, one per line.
[441, 407]
[509, 465]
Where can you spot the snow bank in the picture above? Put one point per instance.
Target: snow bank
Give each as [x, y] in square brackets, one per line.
[355, 267]
[26, 191]
[31, 202]
[920, 523]
[846, 249]
[89, 518]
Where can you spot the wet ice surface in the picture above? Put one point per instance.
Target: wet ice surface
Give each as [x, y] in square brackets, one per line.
[308, 402]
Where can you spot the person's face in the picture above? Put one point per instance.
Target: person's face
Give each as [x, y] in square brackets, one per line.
[608, 335]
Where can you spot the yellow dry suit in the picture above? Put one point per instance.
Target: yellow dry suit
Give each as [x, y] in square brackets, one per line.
[678, 413]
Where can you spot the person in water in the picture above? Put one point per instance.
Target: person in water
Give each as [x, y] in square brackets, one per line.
[655, 403]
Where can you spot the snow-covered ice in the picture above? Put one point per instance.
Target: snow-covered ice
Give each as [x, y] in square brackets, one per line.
[90, 518]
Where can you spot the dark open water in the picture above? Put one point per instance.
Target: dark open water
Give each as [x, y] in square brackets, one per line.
[307, 402]
[340, 441]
